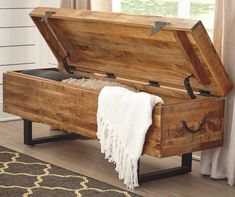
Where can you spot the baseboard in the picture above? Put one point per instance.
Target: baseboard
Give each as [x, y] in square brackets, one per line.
[4, 117]
[197, 156]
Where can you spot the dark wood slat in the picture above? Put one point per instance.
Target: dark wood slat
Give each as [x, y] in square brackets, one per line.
[187, 49]
[50, 38]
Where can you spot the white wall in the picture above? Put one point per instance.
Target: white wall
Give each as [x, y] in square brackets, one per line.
[21, 45]
[46, 58]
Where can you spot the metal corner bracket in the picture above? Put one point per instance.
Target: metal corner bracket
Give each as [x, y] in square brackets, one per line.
[158, 26]
[46, 16]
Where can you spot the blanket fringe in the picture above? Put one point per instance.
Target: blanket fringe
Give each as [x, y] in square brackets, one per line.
[115, 152]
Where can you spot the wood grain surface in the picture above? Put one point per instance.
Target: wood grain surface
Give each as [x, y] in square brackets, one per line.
[74, 108]
[122, 44]
[175, 139]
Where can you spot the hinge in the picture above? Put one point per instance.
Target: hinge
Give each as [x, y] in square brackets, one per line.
[188, 87]
[204, 93]
[110, 75]
[46, 16]
[154, 83]
[69, 68]
[190, 90]
[158, 26]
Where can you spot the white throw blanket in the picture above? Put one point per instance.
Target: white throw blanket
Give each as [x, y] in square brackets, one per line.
[123, 119]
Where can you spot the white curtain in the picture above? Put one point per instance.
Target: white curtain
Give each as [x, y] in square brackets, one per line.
[81, 4]
[220, 163]
[97, 5]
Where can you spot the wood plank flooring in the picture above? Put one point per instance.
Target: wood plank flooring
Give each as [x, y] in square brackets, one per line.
[83, 156]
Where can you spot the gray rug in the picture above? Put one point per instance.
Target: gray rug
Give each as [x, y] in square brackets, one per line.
[22, 175]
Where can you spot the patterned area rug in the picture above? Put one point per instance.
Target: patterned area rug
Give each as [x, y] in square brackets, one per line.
[21, 175]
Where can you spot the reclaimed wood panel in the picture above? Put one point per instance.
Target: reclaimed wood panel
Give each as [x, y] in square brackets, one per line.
[212, 59]
[169, 95]
[177, 140]
[49, 102]
[73, 108]
[153, 137]
[122, 44]
[129, 55]
[15, 68]
[116, 18]
[193, 60]
[61, 105]
[1, 92]
[50, 38]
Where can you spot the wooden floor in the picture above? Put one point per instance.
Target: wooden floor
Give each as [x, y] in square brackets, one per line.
[84, 157]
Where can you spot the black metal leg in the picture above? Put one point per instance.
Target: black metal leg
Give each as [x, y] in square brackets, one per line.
[28, 132]
[187, 162]
[186, 167]
[28, 138]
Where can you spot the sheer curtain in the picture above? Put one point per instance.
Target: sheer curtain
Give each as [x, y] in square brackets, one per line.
[98, 5]
[220, 163]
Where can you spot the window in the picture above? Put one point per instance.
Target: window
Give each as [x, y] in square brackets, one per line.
[195, 9]
[203, 10]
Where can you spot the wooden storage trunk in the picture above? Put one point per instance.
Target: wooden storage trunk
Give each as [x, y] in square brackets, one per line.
[169, 57]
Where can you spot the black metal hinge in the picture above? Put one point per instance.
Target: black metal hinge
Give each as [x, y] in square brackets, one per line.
[158, 26]
[204, 93]
[110, 75]
[46, 16]
[154, 83]
[188, 87]
[69, 68]
[190, 90]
